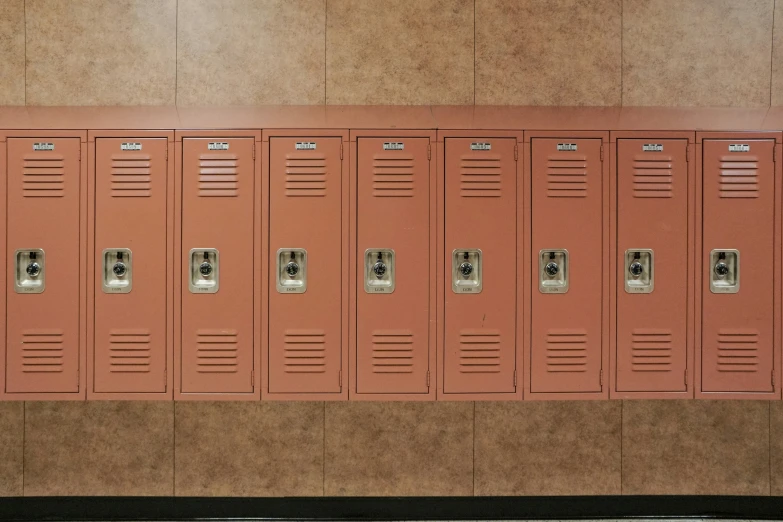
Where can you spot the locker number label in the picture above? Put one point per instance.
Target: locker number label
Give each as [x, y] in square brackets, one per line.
[217, 145]
[305, 145]
[566, 147]
[393, 145]
[480, 146]
[739, 147]
[652, 147]
[130, 146]
[43, 146]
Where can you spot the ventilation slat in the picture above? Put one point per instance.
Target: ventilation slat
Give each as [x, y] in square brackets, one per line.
[218, 175]
[651, 349]
[566, 351]
[738, 350]
[480, 176]
[43, 176]
[392, 176]
[738, 177]
[130, 351]
[479, 351]
[131, 175]
[566, 176]
[42, 351]
[392, 351]
[304, 351]
[305, 175]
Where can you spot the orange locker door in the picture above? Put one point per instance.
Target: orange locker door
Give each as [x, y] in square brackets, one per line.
[480, 265]
[130, 265]
[217, 249]
[738, 224]
[566, 265]
[305, 265]
[393, 229]
[43, 265]
[652, 265]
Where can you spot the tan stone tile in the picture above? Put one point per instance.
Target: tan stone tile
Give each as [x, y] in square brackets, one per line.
[12, 50]
[11, 448]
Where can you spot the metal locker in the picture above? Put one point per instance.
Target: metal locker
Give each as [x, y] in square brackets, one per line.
[393, 265]
[305, 268]
[652, 265]
[566, 257]
[130, 265]
[218, 176]
[480, 265]
[738, 198]
[43, 265]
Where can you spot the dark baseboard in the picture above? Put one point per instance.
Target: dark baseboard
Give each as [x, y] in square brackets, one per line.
[387, 508]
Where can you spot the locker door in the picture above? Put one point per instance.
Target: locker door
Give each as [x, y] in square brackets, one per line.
[43, 219]
[393, 223]
[652, 257]
[738, 215]
[217, 249]
[130, 219]
[566, 243]
[305, 306]
[480, 301]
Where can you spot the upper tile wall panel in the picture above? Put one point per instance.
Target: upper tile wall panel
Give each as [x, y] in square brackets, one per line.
[777, 57]
[401, 52]
[548, 52]
[697, 53]
[94, 52]
[12, 51]
[248, 52]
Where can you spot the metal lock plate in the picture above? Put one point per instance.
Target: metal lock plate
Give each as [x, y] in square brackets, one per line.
[292, 270]
[553, 271]
[204, 271]
[30, 271]
[724, 271]
[466, 271]
[117, 270]
[378, 271]
[639, 271]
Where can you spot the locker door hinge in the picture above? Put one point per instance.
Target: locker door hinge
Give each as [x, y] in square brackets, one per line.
[601, 378]
[80, 152]
[773, 380]
[687, 154]
[686, 377]
[165, 378]
[167, 153]
[602, 153]
[516, 152]
[341, 150]
[254, 150]
[774, 154]
[340, 378]
[515, 378]
[252, 379]
[428, 378]
[429, 151]
[78, 380]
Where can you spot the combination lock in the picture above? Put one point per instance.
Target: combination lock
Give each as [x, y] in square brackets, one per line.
[379, 269]
[292, 268]
[33, 269]
[205, 269]
[636, 269]
[551, 269]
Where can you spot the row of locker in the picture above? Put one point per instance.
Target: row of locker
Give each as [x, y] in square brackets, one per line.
[390, 265]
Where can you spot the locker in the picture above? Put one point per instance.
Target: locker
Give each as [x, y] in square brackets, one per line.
[567, 231]
[652, 265]
[393, 265]
[130, 351]
[43, 265]
[738, 252]
[480, 265]
[218, 177]
[305, 266]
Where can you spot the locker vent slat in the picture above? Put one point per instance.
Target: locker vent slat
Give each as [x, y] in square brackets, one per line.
[218, 176]
[652, 176]
[392, 351]
[479, 351]
[738, 350]
[216, 351]
[651, 350]
[392, 176]
[566, 176]
[305, 175]
[42, 351]
[131, 175]
[739, 177]
[305, 351]
[129, 351]
[479, 176]
[43, 175]
[566, 351]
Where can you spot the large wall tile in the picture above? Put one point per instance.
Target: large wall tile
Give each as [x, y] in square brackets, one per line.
[548, 52]
[777, 56]
[399, 448]
[548, 448]
[696, 447]
[245, 52]
[12, 50]
[99, 448]
[401, 52]
[11, 442]
[94, 52]
[697, 53]
[249, 449]
[776, 447]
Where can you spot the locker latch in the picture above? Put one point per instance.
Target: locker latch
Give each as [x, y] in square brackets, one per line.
[30, 271]
[466, 271]
[379, 271]
[553, 270]
[117, 270]
[724, 271]
[204, 271]
[292, 270]
[639, 271]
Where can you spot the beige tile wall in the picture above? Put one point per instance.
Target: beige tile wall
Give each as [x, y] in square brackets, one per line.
[536, 52]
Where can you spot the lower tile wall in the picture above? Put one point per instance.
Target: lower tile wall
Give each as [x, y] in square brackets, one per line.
[437, 448]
